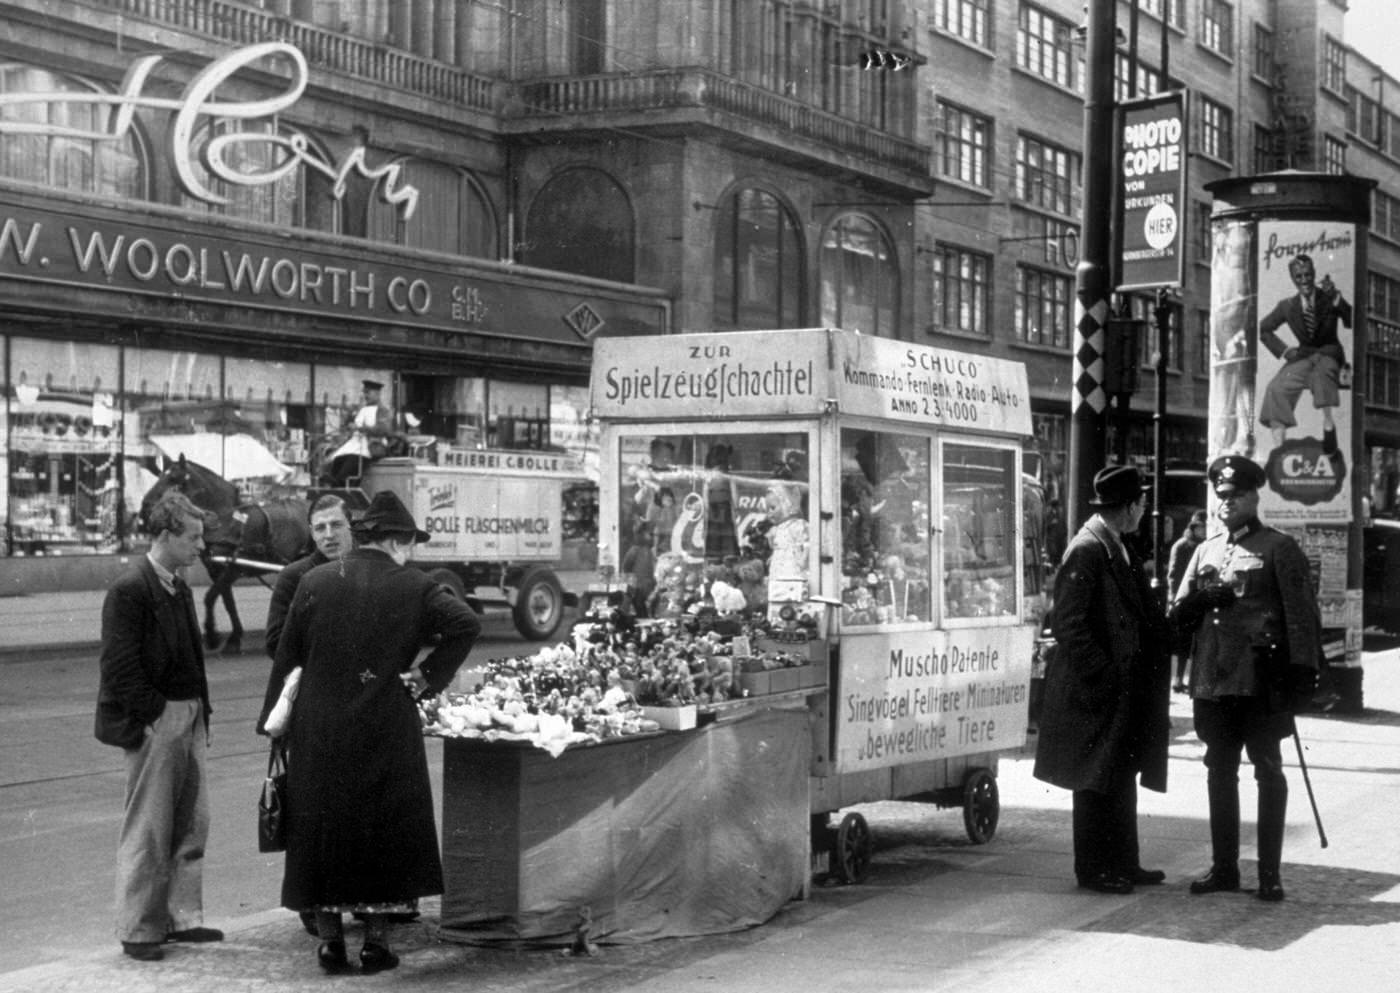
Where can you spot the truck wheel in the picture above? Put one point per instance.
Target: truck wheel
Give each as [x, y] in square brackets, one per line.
[448, 578]
[539, 605]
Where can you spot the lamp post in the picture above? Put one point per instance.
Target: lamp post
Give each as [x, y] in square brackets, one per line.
[1093, 276]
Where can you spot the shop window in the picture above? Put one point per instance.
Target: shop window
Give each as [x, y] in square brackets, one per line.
[273, 194]
[64, 467]
[860, 278]
[517, 415]
[696, 509]
[453, 215]
[759, 273]
[582, 222]
[269, 413]
[980, 490]
[885, 545]
[59, 156]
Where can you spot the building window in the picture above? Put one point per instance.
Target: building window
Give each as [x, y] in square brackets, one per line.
[1202, 366]
[588, 37]
[1217, 130]
[759, 274]
[1263, 61]
[1217, 26]
[582, 222]
[962, 290]
[1334, 65]
[1385, 215]
[1205, 245]
[1334, 156]
[1043, 301]
[1266, 149]
[1175, 15]
[1045, 174]
[453, 215]
[1383, 295]
[1383, 364]
[962, 145]
[1127, 84]
[55, 160]
[968, 19]
[299, 197]
[1366, 118]
[859, 277]
[1043, 47]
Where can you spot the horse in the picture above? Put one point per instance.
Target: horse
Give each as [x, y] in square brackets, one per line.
[242, 535]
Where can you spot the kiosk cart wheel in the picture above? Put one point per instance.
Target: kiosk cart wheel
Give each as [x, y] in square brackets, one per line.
[981, 805]
[851, 856]
[539, 604]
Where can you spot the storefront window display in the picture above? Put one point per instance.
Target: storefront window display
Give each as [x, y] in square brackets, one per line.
[700, 510]
[980, 488]
[269, 404]
[64, 445]
[885, 547]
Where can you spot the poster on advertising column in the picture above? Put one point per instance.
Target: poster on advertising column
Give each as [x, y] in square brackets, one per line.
[1305, 271]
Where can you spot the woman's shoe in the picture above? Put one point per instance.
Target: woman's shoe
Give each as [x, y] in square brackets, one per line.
[377, 958]
[331, 956]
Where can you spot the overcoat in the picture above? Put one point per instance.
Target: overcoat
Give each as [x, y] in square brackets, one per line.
[140, 638]
[1107, 697]
[361, 828]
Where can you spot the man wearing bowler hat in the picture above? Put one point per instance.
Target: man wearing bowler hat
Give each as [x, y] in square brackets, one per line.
[1247, 603]
[1105, 719]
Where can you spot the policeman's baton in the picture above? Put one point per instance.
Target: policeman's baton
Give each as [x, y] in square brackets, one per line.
[1302, 764]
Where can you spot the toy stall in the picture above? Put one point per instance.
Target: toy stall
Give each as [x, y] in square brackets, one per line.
[812, 574]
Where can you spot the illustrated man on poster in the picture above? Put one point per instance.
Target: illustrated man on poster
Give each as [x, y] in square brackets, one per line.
[1316, 359]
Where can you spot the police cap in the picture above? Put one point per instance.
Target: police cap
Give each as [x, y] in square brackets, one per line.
[1232, 474]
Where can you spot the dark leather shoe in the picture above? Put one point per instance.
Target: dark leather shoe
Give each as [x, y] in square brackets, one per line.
[331, 956]
[1106, 882]
[196, 935]
[146, 951]
[1220, 879]
[1147, 877]
[377, 958]
[1270, 888]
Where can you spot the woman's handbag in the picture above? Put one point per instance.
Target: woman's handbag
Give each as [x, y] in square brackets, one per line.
[272, 805]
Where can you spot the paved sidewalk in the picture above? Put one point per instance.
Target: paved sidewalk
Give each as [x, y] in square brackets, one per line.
[940, 914]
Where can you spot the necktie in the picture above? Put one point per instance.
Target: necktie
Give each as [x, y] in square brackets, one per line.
[1309, 318]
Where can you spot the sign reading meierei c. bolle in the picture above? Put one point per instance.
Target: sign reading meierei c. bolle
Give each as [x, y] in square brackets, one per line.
[1152, 183]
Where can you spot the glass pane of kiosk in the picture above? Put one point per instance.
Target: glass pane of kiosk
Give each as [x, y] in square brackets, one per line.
[694, 507]
[980, 486]
[884, 528]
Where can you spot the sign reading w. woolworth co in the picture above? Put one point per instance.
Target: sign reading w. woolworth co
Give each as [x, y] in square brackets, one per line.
[803, 372]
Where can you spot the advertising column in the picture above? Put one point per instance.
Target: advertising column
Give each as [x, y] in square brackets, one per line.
[1287, 343]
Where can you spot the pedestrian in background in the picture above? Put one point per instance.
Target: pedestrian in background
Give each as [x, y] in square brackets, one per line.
[361, 835]
[1104, 720]
[153, 703]
[1054, 535]
[1182, 550]
[1248, 603]
[330, 531]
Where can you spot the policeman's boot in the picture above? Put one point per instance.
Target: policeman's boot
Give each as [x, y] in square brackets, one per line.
[1224, 876]
[1273, 809]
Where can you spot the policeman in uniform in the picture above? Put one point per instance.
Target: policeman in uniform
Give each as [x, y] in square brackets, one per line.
[1248, 605]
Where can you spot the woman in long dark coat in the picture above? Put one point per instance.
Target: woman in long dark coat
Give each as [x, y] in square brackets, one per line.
[361, 834]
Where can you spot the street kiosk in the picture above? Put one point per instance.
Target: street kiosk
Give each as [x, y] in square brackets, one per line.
[848, 505]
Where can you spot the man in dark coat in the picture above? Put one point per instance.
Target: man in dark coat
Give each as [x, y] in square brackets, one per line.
[1105, 716]
[153, 702]
[1248, 602]
[1182, 550]
[361, 834]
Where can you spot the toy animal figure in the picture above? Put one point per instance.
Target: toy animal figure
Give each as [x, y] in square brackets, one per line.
[753, 584]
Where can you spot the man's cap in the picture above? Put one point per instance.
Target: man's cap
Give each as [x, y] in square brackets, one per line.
[1232, 474]
[387, 517]
[1115, 486]
[371, 384]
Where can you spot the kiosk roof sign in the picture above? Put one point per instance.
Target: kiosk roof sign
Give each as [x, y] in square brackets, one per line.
[801, 372]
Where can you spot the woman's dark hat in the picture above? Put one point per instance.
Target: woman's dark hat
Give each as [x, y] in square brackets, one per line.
[1116, 486]
[387, 517]
[1231, 474]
